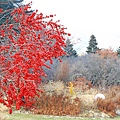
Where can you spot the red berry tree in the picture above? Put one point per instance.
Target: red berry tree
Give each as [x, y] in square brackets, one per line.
[25, 46]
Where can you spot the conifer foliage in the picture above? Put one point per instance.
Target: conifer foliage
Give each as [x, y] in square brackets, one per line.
[92, 48]
[69, 49]
[118, 52]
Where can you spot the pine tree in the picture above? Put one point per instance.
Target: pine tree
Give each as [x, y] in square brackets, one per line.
[118, 52]
[92, 48]
[69, 49]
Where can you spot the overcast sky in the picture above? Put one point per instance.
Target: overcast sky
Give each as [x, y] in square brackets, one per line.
[86, 17]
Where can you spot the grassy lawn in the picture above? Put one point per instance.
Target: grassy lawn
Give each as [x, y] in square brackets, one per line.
[17, 116]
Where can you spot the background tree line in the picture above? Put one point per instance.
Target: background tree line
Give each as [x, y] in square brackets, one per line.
[96, 66]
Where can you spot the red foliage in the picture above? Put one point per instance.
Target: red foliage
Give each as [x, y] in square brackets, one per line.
[24, 52]
[1, 10]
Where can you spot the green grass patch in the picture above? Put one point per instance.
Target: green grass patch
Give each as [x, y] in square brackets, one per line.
[20, 116]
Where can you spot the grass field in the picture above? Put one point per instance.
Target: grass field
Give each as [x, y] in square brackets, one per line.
[19, 116]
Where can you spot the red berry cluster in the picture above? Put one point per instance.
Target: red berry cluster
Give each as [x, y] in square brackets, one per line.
[26, 43]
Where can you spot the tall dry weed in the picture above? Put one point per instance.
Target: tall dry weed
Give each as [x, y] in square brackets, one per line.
[57, 105]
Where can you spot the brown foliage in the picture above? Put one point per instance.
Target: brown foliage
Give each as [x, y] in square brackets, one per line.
[62, 71]
[107, 53]
[82, 83]
[57, 105]
[109, 106]
[111, 91]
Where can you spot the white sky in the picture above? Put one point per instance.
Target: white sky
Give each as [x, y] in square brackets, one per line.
[84, 18]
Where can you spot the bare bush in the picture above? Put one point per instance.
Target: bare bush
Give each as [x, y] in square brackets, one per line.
[99, 71]
[59, 70]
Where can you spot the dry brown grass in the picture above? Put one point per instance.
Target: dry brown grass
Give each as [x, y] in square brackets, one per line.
[82, 84]
[3, 112]
[112, 91]
[57, 105]
[86, 92]
[56, 99]
[109, 106]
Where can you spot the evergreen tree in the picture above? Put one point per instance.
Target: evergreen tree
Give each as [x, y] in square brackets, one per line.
[118, 52]
[92, 48]
[69, 49]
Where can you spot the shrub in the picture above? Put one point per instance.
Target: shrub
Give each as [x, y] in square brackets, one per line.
[101, 72]
[58, 70]
[57, 105]
[52, 87]
[25, 46]
[98, 70]
[82, 84]
[62, 71]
